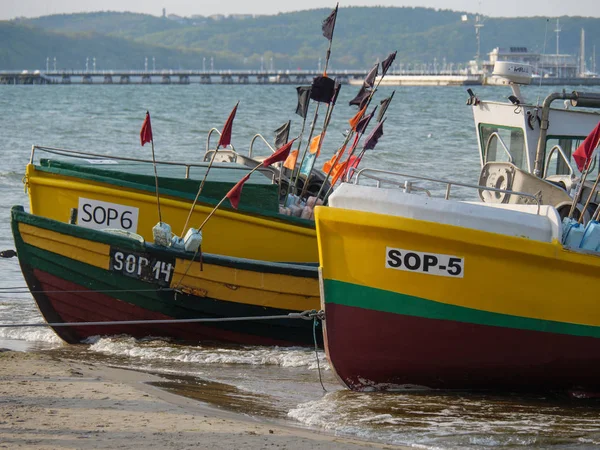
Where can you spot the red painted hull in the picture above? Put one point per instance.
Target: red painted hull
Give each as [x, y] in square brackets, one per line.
[394, 350]
[64, 301]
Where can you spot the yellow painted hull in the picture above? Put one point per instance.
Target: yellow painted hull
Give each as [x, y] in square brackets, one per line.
[519, 314]
[250, 287]
[87, 276]
[502, 274]
[228, 232]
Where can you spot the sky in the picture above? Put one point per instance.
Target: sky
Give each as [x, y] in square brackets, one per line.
[9, 9]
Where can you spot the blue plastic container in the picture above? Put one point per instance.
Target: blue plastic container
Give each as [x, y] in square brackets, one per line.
[591, 237]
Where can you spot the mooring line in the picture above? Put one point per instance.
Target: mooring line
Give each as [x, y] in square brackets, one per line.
[73, 291]
[305, 315]
[320, 315]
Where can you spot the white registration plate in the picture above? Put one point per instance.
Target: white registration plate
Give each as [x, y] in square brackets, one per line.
[428, 263]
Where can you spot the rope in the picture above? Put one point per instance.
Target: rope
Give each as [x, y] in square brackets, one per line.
[305, 315]
[25, 290]
[320, 315]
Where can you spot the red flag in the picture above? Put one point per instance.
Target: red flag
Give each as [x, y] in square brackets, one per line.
[587, 147]
[280, 155]
[146, 131]
[349, 164]
[225, 138]
[235, 192]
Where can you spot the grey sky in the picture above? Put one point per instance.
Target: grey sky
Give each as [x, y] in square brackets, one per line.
[10, 9]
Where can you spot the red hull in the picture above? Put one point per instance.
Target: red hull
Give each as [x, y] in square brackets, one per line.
[397, 350]
[63, 301]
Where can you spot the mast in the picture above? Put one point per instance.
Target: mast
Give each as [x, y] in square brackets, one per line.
[582, 54]
[478, 26]
[557, 31]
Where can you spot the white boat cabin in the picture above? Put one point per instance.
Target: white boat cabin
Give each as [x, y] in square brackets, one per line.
[528, 147]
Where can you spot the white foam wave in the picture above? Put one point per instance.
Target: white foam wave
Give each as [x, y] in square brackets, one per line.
[30, 334]
[161, 350]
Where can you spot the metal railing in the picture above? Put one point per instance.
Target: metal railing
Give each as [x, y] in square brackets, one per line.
[563, 156]
[504, 147]
[101, 157]
[408, 184]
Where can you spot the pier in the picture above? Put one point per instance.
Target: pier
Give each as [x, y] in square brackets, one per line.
[181, 77]
[262, 77]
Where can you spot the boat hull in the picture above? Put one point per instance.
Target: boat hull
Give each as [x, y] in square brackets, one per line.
[76, 275]
[510, 321]
[245, 233]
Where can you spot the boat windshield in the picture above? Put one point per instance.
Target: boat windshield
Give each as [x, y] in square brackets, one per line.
[560, 149]
[503, 144]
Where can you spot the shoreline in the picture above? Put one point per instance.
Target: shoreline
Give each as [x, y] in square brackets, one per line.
[48, 402]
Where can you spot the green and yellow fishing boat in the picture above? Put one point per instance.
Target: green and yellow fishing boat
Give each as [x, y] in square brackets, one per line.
[78, 274]
[114, 192]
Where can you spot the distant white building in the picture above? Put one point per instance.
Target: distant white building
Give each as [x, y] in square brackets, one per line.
[560, 66]
[241, 16]
[176, 18]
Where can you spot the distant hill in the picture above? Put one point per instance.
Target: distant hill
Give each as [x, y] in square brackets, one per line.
[293, 40]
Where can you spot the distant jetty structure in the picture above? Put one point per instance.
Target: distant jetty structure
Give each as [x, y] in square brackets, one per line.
[175, 76]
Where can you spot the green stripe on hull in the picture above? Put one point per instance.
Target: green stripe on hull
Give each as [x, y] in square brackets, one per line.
[127, 289]
[349, 294]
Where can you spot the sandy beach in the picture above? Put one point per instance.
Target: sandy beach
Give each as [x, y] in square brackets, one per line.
[50, 403]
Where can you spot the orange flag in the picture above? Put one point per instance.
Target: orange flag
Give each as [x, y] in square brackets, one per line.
[290, 162]
[354, 121]
[314, 145]
[329, 164]
[338, 171]
[235, 192]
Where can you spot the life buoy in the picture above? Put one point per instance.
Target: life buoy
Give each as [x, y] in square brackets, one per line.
[497, 178]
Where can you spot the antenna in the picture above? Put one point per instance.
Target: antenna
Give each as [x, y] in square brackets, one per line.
[557, 31]
[582, 69]
[478, 27]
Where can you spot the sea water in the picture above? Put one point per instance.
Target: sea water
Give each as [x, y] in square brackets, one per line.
[429, 131]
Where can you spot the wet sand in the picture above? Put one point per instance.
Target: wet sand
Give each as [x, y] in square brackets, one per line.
[52, 403]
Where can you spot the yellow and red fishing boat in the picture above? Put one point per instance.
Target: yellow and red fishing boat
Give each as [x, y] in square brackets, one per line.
[117, 192]
[438, 293]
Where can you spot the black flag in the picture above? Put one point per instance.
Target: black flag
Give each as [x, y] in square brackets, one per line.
[361, 97]
[303, 100]
[384, 106]
[323, 89]
[336, 91]
[282, 134]
[385, 65]
[372, 139]
[362, 125]
[329, 24]
[370, 80]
